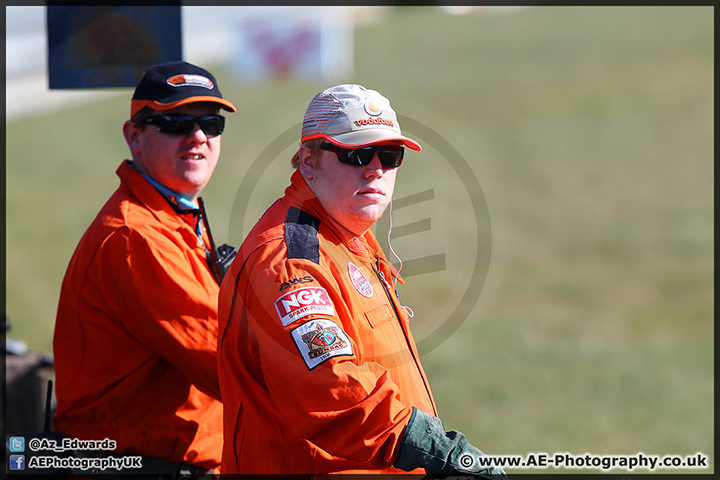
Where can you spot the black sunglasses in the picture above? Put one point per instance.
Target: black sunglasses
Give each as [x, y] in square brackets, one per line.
[182, 123]
[391, 156]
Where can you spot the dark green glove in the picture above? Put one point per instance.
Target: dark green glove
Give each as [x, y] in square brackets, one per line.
[427, 444]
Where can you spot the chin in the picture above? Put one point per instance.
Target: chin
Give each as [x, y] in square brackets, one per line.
[196, 181]
[369, 218]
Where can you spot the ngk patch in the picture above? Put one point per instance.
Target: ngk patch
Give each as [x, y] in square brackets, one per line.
[358, 278]
[319, 340]
[302, 302]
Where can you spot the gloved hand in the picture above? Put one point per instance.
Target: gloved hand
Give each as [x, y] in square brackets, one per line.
[427, 444]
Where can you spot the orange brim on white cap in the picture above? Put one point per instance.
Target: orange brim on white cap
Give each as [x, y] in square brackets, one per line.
[367, 138]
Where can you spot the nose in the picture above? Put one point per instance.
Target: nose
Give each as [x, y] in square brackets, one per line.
[196, 136]
[374, 169]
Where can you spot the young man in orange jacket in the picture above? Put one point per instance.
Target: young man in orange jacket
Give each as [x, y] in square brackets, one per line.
[318, 368]
[135, 342]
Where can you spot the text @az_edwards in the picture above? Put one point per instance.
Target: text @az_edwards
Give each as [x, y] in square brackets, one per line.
[70, 444]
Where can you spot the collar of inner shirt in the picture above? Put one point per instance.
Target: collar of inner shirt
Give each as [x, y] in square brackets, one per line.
[180, 204]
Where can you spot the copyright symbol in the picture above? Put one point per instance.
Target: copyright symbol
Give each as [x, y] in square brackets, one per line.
[34, 444]
[466, 461]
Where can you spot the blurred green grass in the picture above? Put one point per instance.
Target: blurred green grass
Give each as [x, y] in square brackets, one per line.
[590, 130]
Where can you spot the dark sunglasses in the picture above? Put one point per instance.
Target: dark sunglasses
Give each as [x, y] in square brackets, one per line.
[391, 156]
[182, 124]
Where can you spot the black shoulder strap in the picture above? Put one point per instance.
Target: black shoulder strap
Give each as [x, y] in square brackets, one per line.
[301, 235]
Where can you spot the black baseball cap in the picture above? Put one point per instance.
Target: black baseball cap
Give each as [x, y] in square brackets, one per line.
[172, 84]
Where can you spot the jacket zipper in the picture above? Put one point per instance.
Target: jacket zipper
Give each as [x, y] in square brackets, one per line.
[381, 277]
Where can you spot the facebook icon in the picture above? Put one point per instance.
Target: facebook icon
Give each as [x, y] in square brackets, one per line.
[17, 462]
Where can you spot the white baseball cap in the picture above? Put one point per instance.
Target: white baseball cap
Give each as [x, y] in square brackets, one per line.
[352, 116]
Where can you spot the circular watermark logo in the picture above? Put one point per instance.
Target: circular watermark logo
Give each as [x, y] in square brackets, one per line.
[438, 224]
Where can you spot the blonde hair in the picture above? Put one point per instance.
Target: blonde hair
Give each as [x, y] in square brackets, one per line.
[315, 152]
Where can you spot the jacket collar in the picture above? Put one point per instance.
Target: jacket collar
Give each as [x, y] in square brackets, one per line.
[300, 195]
[178, 203]
[150, 196]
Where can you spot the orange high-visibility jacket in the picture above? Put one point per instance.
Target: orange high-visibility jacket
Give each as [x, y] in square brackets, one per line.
[318, 369]
[135, 342]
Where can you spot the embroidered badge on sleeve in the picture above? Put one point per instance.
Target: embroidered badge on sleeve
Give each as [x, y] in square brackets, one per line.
[321, 339]
[302, 302]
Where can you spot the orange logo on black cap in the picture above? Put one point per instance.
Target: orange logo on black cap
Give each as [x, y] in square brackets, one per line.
[190, 81]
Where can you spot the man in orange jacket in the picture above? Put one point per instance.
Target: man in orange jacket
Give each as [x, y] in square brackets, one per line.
[135, 342]
[318, 368]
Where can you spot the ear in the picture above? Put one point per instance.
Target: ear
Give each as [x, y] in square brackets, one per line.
[307, 164]
[132, 133]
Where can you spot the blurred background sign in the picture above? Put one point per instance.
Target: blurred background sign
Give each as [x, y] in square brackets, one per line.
[303, 42]
[109, 46]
